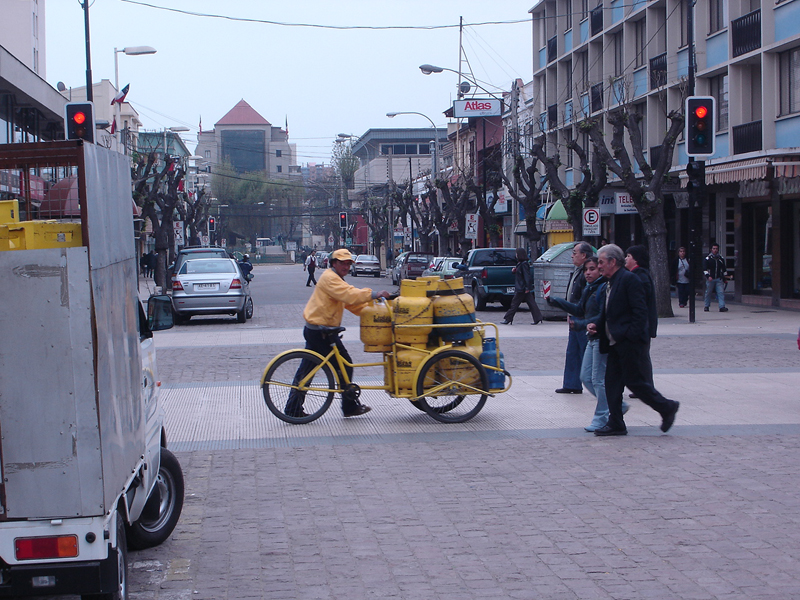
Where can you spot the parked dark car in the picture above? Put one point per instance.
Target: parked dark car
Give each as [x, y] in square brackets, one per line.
[488, 275]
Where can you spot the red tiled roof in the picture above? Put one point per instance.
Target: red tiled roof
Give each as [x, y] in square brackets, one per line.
[243, 114]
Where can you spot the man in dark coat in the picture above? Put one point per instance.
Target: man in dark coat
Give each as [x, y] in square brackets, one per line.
[523, 290]
[624, 335]
[576, 343]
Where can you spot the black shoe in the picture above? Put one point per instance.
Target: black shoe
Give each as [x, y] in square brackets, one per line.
[301, 415]
[705, 309]
[607, 430]
[505, 323]
[669, 418]
[568, 391]
[632, 396]
[723, 309]
[537, 322]
[361, 409]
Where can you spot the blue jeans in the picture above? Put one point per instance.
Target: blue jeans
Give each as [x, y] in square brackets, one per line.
[576, 348]
[719, 285]
[593, 375]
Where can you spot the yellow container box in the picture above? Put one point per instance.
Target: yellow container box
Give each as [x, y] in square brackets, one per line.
[9, 211]
[36, 235]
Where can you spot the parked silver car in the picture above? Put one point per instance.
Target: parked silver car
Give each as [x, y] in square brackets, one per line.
[366, 264]
[210, 286]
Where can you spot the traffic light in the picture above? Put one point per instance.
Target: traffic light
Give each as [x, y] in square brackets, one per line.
[212, 224]
[79, 117]
[343, 220]
[700, 119]
[696, 171]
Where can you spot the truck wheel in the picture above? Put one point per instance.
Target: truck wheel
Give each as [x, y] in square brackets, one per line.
[121, 593]
[480, 303]
[152, 531]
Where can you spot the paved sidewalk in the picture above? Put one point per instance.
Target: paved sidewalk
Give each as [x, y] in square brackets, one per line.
[520, 502]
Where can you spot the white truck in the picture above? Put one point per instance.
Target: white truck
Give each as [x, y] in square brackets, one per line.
[85, 469]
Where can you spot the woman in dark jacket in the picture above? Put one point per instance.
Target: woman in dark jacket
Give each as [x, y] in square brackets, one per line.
[587, 310]
[637, 261]
[523, 290]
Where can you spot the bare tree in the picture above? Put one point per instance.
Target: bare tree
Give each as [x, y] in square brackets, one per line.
[194, 213]
[645, 187]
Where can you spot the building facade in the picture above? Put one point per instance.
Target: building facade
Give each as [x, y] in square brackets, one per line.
[590, 58]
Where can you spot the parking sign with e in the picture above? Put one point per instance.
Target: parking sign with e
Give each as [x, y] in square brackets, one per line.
[591, 221]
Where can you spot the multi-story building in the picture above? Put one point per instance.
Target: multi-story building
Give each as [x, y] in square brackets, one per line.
[594, 56]
[23, 33]
[249, 143]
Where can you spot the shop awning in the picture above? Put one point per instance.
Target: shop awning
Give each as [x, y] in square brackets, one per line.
[740, 170]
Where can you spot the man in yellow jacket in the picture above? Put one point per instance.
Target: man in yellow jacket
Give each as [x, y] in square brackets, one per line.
[323, 311]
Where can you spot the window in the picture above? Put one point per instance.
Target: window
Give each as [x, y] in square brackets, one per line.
[277, 153]
[583, 82]
[207, 154]
[619, 60]
[280, 169]
[568, 14]
[717, 15]
[640, 41]
[790, 81]
[568, 78]
[568, 155]
[682, 24]
[719, 90]
[584, 9]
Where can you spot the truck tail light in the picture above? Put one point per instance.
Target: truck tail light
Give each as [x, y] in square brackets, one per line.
[63, 546]
[485, 273]
[177, 285]
[236, 284]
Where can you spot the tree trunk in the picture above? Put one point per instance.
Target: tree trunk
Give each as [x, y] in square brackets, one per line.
[655, 230]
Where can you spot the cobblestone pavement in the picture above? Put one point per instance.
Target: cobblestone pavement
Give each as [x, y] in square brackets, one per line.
[520, 502]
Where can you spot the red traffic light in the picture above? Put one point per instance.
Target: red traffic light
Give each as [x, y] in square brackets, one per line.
[79, 118]
[701, 112]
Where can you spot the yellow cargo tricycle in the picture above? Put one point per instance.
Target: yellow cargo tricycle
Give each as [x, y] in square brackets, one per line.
[435, 354]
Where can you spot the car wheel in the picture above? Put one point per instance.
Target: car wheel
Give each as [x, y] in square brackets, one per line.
[241, 317]
[480, 303]
[248, 309]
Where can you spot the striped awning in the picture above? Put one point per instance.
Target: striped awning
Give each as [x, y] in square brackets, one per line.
[740, 170]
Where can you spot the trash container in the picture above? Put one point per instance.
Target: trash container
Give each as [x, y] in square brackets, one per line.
[553, 269]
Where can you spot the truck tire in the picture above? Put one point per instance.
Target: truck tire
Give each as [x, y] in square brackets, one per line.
[149, 532]
[480, 303]
[121, 593]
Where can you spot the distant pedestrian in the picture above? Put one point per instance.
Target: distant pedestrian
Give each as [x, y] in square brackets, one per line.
[624, 333]
[152, 261]
[143, 262]
[311, 265]
[523, 290]
[715, 272]
[683, 278]
[576, 343]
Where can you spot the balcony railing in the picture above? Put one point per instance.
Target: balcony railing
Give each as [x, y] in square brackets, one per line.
[658, 71]
[552, 49]
[552, 116]
[597, 97]
[747, 137]
[596, 17]
[746, 33]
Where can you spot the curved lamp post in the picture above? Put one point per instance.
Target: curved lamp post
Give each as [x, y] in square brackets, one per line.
[130, 51]
[463, 86]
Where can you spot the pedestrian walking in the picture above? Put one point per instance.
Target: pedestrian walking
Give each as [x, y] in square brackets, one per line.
[683, 275]
[716, 273]
[637, 261]
[323, 311]
[143, 262]
[523, 290]
[623, 331]
[576, 343]
[311, 265]
[152, 260]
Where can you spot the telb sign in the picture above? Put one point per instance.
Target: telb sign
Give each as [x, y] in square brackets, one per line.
[477, 107]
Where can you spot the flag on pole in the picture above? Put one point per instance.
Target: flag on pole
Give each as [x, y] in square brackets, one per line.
[113, 126]
[120, 97]
[200, 127]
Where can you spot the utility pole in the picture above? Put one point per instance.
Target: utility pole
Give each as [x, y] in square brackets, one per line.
[695, 196]
[89, 95]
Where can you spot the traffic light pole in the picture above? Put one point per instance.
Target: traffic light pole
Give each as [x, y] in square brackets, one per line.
[693, 233]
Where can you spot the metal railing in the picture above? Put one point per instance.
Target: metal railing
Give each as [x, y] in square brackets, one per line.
[658, 71]
[747, 137]
[746, 33]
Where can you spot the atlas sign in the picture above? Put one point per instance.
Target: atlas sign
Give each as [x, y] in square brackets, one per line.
[477, 107]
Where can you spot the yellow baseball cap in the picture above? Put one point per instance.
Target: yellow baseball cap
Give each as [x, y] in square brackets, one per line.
[342, 254]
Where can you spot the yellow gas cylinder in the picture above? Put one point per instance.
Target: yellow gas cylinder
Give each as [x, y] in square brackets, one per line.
[388, 372]
[453, 305]
[376, 327]
[407, 362]
[413, 307]
[459, 370]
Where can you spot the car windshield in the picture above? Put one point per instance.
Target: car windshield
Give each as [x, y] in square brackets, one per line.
[419, 258]
[367, 258]
[496, 258]
[207, 266]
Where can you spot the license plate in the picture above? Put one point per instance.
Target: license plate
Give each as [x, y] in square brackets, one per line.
[205, 286]
[511, 290]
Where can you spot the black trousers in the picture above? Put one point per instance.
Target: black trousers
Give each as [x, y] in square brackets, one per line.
[311, 277]
[321, 343]
[519, 298]
[629, 366]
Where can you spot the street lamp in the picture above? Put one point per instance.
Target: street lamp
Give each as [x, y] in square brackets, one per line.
[130, 51]
[463, 87]
[177, 129]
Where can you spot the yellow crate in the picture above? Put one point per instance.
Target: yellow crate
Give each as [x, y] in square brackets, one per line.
[9, 211]
[33, 235]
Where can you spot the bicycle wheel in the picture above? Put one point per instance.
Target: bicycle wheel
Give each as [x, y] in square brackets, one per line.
[451, 386]
[290, 403]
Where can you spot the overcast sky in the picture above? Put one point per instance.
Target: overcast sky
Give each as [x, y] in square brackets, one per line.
[324, 81]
